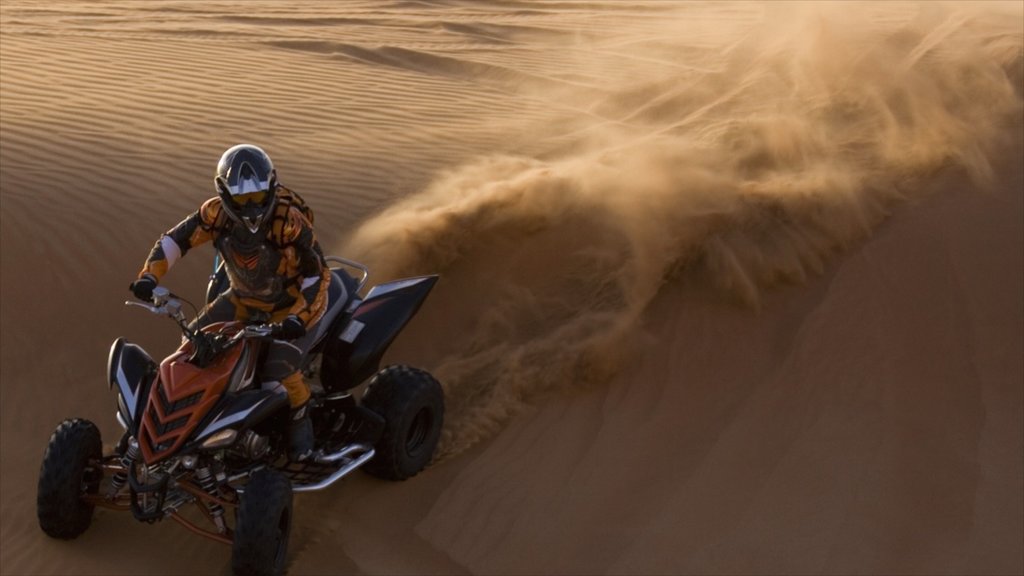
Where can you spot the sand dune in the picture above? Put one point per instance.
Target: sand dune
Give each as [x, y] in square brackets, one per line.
[727, 288]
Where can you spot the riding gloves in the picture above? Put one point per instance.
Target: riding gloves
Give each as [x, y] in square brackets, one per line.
[291, 328]
[143, 287]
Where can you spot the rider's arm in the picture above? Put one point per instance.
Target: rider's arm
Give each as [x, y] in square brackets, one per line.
[176, 242]
[313, 276]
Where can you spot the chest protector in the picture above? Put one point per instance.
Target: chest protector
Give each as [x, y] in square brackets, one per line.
[256, 263]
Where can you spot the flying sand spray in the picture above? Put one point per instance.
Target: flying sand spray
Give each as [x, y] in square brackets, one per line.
[744, 174]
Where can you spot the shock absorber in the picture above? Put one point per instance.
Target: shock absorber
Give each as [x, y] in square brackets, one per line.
[209, 485]
[127, 461]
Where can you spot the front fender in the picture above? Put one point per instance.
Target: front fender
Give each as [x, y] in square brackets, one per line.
[132, 372]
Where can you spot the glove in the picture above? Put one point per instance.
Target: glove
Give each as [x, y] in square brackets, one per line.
[289, 329]
[143, 288]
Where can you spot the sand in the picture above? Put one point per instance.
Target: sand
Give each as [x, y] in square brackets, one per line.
[726, 288]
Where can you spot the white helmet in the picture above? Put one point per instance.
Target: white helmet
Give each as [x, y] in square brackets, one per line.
[247, 184]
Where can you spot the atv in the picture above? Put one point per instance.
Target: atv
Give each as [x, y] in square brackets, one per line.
[204, 445]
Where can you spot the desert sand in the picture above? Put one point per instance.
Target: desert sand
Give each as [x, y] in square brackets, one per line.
[727, 288]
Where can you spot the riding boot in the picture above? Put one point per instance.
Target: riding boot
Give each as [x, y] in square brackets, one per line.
[300, 434]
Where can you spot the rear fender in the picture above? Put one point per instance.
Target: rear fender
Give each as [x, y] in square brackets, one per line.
[132, 371]
[360, 339]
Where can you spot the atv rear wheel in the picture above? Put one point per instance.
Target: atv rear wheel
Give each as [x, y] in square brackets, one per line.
[72, 468]
[262, 525]
[412, 404]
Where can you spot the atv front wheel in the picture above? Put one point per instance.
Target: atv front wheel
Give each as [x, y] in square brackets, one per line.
[72, 468]
[262, 525]
[412, 404]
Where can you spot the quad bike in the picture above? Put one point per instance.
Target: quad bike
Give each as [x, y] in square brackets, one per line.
[205, 446]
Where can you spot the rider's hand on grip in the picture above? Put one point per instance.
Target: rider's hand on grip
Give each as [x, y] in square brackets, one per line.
[290, 329]
[143, 288]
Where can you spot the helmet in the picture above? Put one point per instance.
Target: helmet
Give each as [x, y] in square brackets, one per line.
[246, 183]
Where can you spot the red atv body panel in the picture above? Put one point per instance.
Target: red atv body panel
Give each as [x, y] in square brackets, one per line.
[183, 395]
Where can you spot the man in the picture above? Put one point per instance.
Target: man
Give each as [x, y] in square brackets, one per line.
[264, 235]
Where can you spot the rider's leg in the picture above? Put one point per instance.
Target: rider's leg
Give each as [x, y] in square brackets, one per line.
[300, 427]
[223, 309]
[281, 371]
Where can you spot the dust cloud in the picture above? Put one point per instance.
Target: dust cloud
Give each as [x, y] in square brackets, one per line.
[749, 168]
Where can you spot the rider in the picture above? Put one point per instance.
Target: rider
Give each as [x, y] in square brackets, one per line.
[264, 234]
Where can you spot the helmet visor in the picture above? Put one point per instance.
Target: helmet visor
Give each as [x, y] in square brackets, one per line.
[250, 209]
[254, 198]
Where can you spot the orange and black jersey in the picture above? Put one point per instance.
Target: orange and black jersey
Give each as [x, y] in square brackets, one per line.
[281, 269]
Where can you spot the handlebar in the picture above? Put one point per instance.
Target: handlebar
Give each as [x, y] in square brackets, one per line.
[165, 303]
[206, 345]
[258, 331]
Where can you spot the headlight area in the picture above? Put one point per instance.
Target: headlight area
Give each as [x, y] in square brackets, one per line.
[220, 439]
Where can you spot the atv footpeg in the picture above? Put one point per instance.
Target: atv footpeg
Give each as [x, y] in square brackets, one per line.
[350, 458]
